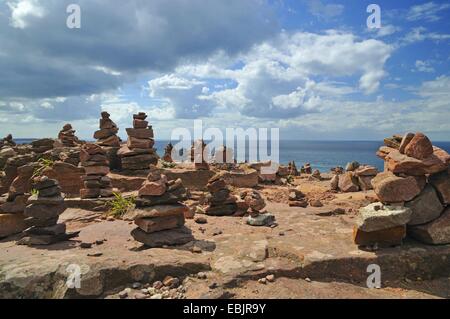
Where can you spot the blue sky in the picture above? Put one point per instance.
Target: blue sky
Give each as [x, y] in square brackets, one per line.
[309, 67]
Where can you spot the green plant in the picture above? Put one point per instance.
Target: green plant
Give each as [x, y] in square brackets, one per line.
[290, 179]
[168, 165]
[120, 205]
[34, 192]
[43, 164]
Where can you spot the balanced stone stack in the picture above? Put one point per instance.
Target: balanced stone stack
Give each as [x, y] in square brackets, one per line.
[138, 154]
[6, 153]
[414, 192]
[7, 141]
[168, 153]
[356, 178]
[42, 214]
[11, 170]
[198, 155]
[159, 213]
[220, 200]
[292, 167]
[107, 135]
[107, 138]
[297, 198]
[67, 136]
[306, 169]
[256, 204]
[96, 182]
[12, 218]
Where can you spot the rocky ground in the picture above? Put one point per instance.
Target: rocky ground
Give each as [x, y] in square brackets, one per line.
[308, 254]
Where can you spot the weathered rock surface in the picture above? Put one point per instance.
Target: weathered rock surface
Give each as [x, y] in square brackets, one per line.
[403, 164]
[383, 238]
[394, 189]
[435, 233]
[11, 224]
[378, 216]
[425, 208]
[419, 147]
[68, 176]
[348, 183]
[172, 237]
[441, 182]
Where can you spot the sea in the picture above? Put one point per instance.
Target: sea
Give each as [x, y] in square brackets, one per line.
[322, 155]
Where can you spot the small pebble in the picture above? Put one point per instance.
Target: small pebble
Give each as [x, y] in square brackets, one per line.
[214, 285]
[157, 296]
[123, 294]
[86, 245]
[201, 220]
[140, 296]
[308, 280]
[158, 285]
[262, 281]
[270, 278]
[196, 250]
[217, 232]
[201, 275]
[137, 285]
[97, 254]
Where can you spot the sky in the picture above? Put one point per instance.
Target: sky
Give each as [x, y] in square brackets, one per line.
[312, 68]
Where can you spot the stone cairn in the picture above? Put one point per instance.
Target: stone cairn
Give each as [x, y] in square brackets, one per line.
[256, 204]
[356, 178]
[12, 207]
[220, 200]
[413, 193]
[42, 214]
[297, 198]
[96, 182]
[7, 141]
[168, 153]
[107, 138]
[292, 167]
[159, 213]
[138, 153]
[306, 169]
[67, 136]
[107, 135]
[197, 151]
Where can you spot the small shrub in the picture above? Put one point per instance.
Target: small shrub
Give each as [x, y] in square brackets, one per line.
[120, 205]
[168, 165]
[290, 180]
[43, 164]
[34, 192]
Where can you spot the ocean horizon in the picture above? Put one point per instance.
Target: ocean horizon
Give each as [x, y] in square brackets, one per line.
[322, 155]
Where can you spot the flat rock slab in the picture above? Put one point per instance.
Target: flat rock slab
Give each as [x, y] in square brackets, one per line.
[42, 272]
[303, 245]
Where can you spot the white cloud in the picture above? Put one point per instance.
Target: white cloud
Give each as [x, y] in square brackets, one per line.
[386, 30]
[428, 11]
[23, 10]
[318, 9]
[424, 66]
[420, 34]
[286, 77]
